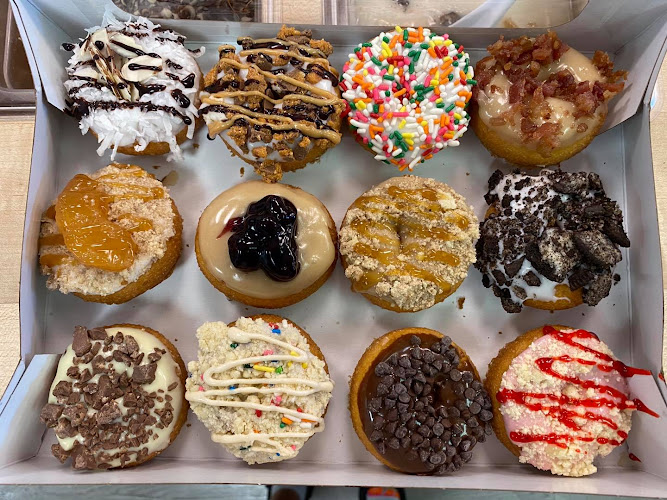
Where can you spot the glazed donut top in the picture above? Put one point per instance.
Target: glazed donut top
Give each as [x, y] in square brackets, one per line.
[133, 83]
[557, 228]
[422, 406]
[408, 241]
[258, 388]
[115, 399]
[408, 90]
[105, 230]
[276, 99]
[565, 401]
[542, 94]
[308, 248]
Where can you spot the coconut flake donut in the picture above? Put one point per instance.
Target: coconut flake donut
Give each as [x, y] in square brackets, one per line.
[135, 87]
[549, 241]
[407, 243]
[561, 399]
[275, 104]
[408, 90]
[539, 101]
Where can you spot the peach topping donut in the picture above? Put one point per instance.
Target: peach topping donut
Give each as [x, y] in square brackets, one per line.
[538, 101]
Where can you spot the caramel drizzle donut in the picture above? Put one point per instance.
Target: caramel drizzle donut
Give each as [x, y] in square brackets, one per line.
[549, 241]
[105, 230]
[542, 94]
[133, 84]
[276, 100]
[408, 241]
[117, 397]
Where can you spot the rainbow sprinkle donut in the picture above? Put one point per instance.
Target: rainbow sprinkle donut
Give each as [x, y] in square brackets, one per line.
[408, 90]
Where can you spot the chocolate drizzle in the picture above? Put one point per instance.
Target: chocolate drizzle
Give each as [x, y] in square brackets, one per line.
[80, 107]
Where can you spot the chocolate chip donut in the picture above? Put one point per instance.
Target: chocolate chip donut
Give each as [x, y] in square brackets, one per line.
[417, 403]
[275, 104]
[549, 241]
[539, 101]
[117, 399]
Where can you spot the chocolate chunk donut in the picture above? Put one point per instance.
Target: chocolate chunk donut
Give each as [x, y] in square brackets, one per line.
[275, 104]
[117, 399]
[417, 403]
[549, 241]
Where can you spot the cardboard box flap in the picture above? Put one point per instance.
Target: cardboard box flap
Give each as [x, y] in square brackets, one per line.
[634, 34]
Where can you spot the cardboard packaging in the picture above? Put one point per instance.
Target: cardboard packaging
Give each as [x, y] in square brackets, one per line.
[630, 320]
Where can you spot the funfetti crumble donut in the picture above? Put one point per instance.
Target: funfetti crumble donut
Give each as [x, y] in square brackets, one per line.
[117, 398]
[539, 101]
[135, 86]
[260, 385]
[549, 241]
[561, 399]
[408, 92]
[276, 103]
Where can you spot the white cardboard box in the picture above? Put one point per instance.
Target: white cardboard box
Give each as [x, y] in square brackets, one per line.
[630, 320]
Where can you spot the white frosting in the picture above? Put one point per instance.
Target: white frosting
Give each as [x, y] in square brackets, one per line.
[124, 127]
[166, 374]
[294, 389]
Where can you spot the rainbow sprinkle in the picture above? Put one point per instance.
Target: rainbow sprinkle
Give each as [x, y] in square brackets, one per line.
[408, 90]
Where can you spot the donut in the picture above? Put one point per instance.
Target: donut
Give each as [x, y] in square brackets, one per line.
[417, 403]
[266, 245]
[110, 235]
[228, 392]
[539, 101]
[549, 241]
[560, 399]
[135, 87]
[407, 243]
[408, 90]
[117, 399]
[275, 104]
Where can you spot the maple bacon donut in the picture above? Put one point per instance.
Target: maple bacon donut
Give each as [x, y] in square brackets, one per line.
[266, 245]
[110, 236]
[135, 87]
[260, 385]
[539, 101]
[417, 403]
[407, 243]
[560, 399]
[275, 104]
[117, 399]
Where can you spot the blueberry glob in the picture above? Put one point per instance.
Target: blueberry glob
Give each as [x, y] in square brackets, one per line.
[265, 238]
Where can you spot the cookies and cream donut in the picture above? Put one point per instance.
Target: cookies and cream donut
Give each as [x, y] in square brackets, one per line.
[539, 101]
[266, 245]
[276, 103]
[408, 90]
[135, 86]
[110, 235]
[561, 400]
[260, 385]
[117, 399]
[417, 403]
[549, 241]
[407, 243]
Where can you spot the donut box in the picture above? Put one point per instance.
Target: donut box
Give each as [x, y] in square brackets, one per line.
[629, 320]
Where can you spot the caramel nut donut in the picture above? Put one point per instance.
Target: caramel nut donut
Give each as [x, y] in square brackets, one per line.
[275, 104]
[266, 245]
[407, 243]
[539, 101]
[117, 399]
[135, 87]
[256, 423]
[417, 403]
[110, 236]
[549, 241]
[560, 399]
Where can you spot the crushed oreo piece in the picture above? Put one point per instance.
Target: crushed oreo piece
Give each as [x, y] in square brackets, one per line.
[562, 223]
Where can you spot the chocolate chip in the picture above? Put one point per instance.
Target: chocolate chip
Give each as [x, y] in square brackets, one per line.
[404, 361]
[50, 414]
[375, 404]
[81, 343]
[465, 445]
[394, 444]
[458, 388]
[437, 458]
[405, 442]
[424, 431]
[416, 353]
[475, 408]
[455, 375]
[456, 440]
[416, 438]
[388, 380]
[378, 422]
[467, 377]
[450, 451]
[382, 368]
[392, 415]
[437, 444]
[402, 408]
[438, 428]
[428, 356]
[376, 435]
[404, 397]
[469, 393]
[393, 359]
[424, 455]
[414, 340]
[465, 456]
[389, 402]
[461, 405]
[427, 389]
[401, 432]
[419, 405]
[382, 389]
[400, 388]
[400, 372]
